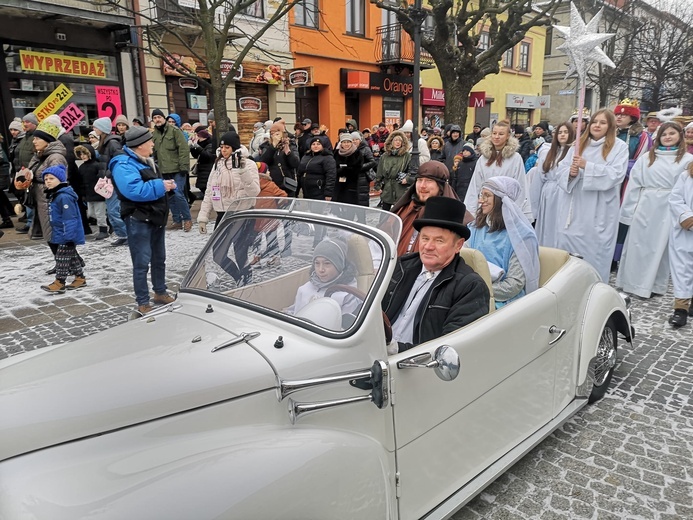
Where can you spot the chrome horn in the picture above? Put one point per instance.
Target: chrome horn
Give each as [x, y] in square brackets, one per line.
[297, 410]
[285, 388]
[375, 380]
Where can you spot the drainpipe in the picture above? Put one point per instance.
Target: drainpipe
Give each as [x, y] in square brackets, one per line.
[144, 92]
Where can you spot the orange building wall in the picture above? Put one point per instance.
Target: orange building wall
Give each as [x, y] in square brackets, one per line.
[330, 49]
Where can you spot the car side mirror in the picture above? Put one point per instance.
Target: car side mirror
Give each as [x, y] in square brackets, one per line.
[445, 362]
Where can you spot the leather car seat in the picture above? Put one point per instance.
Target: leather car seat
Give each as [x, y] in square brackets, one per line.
[477, 261]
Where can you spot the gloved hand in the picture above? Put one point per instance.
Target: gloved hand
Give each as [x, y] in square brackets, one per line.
[203, 227]
[392, 348]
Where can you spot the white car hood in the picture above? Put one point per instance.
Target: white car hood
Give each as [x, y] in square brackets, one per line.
[136, 372]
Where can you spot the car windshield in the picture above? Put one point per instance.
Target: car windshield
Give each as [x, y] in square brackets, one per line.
[312, 262]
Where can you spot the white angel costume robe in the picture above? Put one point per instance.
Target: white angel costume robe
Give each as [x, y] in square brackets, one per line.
[681, 240]
[544, 194]
[588, 206]
[644, 266]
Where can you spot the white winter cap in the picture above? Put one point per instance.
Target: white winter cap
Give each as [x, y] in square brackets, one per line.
[408, 126]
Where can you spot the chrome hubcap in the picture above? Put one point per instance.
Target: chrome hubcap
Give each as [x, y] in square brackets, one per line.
[605, 358]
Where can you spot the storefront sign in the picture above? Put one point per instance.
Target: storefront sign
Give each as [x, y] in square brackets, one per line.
[527, 102]
[227, 67]
[33, 61]
[377, 83]
[53, 102]
[108, 102]
[432, 97]
[70, 116]
[250, 104]
[187, 83]
[477, 99]
[302, 77]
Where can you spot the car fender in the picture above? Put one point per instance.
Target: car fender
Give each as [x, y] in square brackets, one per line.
[603, 302]
[203, 465]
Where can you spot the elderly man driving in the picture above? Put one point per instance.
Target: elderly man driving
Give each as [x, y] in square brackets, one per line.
[433, 292]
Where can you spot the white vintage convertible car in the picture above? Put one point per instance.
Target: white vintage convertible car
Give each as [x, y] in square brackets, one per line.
[229, 404]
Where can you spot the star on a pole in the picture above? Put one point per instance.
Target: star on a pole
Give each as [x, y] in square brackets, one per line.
[582, 43]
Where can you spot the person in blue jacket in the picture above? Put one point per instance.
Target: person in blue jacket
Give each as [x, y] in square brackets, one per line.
[144, 208]
[68, 232]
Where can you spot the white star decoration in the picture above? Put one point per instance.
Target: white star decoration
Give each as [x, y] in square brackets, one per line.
[582, 43]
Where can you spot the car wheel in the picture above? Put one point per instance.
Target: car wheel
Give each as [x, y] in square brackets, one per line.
[605, 361]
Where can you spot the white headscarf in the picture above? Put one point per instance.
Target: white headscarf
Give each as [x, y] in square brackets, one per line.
[520, 231]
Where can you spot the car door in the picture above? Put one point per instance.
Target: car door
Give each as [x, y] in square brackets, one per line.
[449, 431]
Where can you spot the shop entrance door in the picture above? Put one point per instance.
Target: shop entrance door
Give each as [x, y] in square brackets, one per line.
[307, 105]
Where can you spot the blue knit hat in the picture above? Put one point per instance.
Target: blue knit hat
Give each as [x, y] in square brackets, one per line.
[59, 171]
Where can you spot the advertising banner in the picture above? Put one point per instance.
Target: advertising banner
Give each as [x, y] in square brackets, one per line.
[108, 102]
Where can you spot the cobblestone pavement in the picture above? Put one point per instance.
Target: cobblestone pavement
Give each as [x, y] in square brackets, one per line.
[630, 456]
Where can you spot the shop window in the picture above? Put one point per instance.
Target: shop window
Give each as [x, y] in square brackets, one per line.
[356, 18]
[509, 58]
[306, 13]
[548, 42]
[524, 57]
[256, 10]
[33, 75]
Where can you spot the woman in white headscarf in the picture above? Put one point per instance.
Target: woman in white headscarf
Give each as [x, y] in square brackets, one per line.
[502, 232]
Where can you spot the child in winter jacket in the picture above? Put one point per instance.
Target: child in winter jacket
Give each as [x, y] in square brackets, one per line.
[89, 172]
[66, 224]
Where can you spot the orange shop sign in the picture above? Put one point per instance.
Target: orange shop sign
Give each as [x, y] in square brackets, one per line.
[32, 61]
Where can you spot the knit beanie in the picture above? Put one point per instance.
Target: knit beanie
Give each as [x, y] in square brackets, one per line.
[103, 124]
[231, 139]
[210, 115]
[120, 118]
[31, 118]
[357, 135]
[16, 125]
[279, 126]
[136, 136]
[333, 251]
[47, 131]
[59, 171]
[470, 147]
[157, 112]
[261, 167]
[55, 120]
[345, 137]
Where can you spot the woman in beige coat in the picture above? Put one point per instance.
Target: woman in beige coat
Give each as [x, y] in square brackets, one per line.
[233, 177]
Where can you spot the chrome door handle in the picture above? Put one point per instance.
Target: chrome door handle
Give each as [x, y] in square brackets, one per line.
[555, 330]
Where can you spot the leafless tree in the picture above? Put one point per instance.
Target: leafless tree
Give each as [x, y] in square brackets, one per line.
[203, 32]
[454, 40]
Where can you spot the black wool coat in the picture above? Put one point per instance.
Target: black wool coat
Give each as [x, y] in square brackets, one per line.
[317, 174]
[349, 169]
[457, 297]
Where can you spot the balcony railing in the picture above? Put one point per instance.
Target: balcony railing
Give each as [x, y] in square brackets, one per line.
[98, 11]
[184, 13]
[394, 46]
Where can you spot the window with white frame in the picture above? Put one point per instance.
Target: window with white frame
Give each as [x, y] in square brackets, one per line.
[356, 17]
[256, 9]
[484, 42]
[524, 56]
[509, 58]
[306, 13]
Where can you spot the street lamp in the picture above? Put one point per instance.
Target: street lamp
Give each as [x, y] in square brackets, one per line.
[417, 15]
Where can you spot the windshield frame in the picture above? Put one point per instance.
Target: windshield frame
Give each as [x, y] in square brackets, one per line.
[383, 239]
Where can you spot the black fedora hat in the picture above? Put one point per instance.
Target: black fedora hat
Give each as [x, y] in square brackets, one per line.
[446, 213]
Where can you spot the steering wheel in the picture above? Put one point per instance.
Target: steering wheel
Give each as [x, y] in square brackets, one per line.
[355, 291]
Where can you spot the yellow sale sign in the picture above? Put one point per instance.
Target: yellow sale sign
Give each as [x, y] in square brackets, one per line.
[53, 102]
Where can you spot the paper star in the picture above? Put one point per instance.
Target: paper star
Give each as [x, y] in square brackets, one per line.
[582, 43]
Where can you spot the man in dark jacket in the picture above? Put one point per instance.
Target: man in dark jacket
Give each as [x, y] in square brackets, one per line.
[525, 142]
[144, 208]
[453, 146]
[433, 292]
[475, 134]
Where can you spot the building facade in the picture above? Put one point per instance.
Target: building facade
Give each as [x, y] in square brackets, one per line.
[69, 58]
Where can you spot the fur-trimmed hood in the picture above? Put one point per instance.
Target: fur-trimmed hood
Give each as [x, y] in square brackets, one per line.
[486, 148]
[405, 142]
[435, 138]
[634, 130]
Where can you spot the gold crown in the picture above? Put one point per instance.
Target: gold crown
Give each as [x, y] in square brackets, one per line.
[626, 102]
